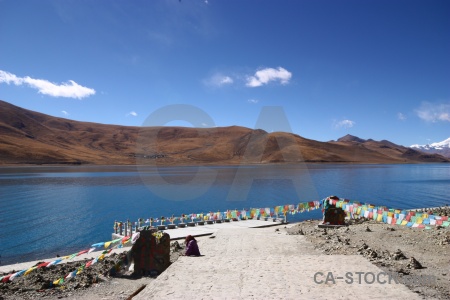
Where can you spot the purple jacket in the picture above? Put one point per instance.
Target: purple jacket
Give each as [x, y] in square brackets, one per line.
[192, 248]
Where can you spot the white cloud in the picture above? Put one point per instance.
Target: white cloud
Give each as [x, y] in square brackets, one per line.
[218, 80]
[132, 113]
[343, 124]
[69, 89]
[253, 101]
[401, 116]
[267, 75]
[432, 112]
[65, 112]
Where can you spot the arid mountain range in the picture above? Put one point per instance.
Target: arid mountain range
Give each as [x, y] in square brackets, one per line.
[28, 137]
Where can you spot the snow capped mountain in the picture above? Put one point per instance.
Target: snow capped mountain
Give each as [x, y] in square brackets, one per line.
[442, 148]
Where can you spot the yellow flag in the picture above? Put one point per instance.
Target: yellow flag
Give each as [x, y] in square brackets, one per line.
[107, 244]
[29, 271]
[380, 217]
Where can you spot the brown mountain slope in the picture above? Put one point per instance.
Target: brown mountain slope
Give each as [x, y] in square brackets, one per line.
[28, 137]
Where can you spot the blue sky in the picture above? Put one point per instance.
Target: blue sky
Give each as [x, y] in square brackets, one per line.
[374, 69]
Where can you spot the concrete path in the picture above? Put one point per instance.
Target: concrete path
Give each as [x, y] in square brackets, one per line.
[263, 263]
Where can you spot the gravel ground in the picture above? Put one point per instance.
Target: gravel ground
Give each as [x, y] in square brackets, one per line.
[410, 253]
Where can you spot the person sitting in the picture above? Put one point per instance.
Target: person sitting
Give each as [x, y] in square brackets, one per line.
[191, 246]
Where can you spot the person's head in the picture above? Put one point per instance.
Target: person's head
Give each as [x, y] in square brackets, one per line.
[188, 239]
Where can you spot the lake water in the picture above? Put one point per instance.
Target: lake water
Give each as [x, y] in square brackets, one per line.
[61, 210]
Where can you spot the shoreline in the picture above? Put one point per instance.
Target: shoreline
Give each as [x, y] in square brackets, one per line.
[211, 231]
[213, 164]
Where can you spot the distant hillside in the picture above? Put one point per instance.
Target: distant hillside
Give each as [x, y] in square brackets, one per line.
[28, 137]
[351, 138]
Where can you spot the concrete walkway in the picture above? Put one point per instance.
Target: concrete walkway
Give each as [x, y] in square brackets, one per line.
[262, 263]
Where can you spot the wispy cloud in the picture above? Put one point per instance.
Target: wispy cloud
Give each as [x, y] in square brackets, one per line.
[401, 116]
[132, 113]
[432, 112]
[69, 89]
[65, 113]
[343, 124]
[218, 80]
[253, 101]
[267, 75]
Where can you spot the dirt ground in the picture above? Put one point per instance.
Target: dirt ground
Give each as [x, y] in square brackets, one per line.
[411, 253]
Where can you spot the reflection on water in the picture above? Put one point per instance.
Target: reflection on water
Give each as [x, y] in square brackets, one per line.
[56, 210]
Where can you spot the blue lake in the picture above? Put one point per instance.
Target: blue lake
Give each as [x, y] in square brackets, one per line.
[61, 210]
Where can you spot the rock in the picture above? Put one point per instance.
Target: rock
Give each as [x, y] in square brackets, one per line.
[398, 255]
[363, 247]
[176, 246]
[414, 264]
[402, 271]
[368, 229]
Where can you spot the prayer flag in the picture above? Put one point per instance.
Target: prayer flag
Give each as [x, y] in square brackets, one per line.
[80, 269]
[379, 217]
[11, 277]
[82, 252]
[71, 275]
[135, 237]
[44, 264]
[29, 270]
[55, 262]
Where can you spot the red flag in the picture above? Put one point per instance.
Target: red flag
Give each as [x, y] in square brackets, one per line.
[44, 264]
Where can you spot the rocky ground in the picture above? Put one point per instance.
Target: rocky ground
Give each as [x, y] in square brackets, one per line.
[94, 282]
[410, 253]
